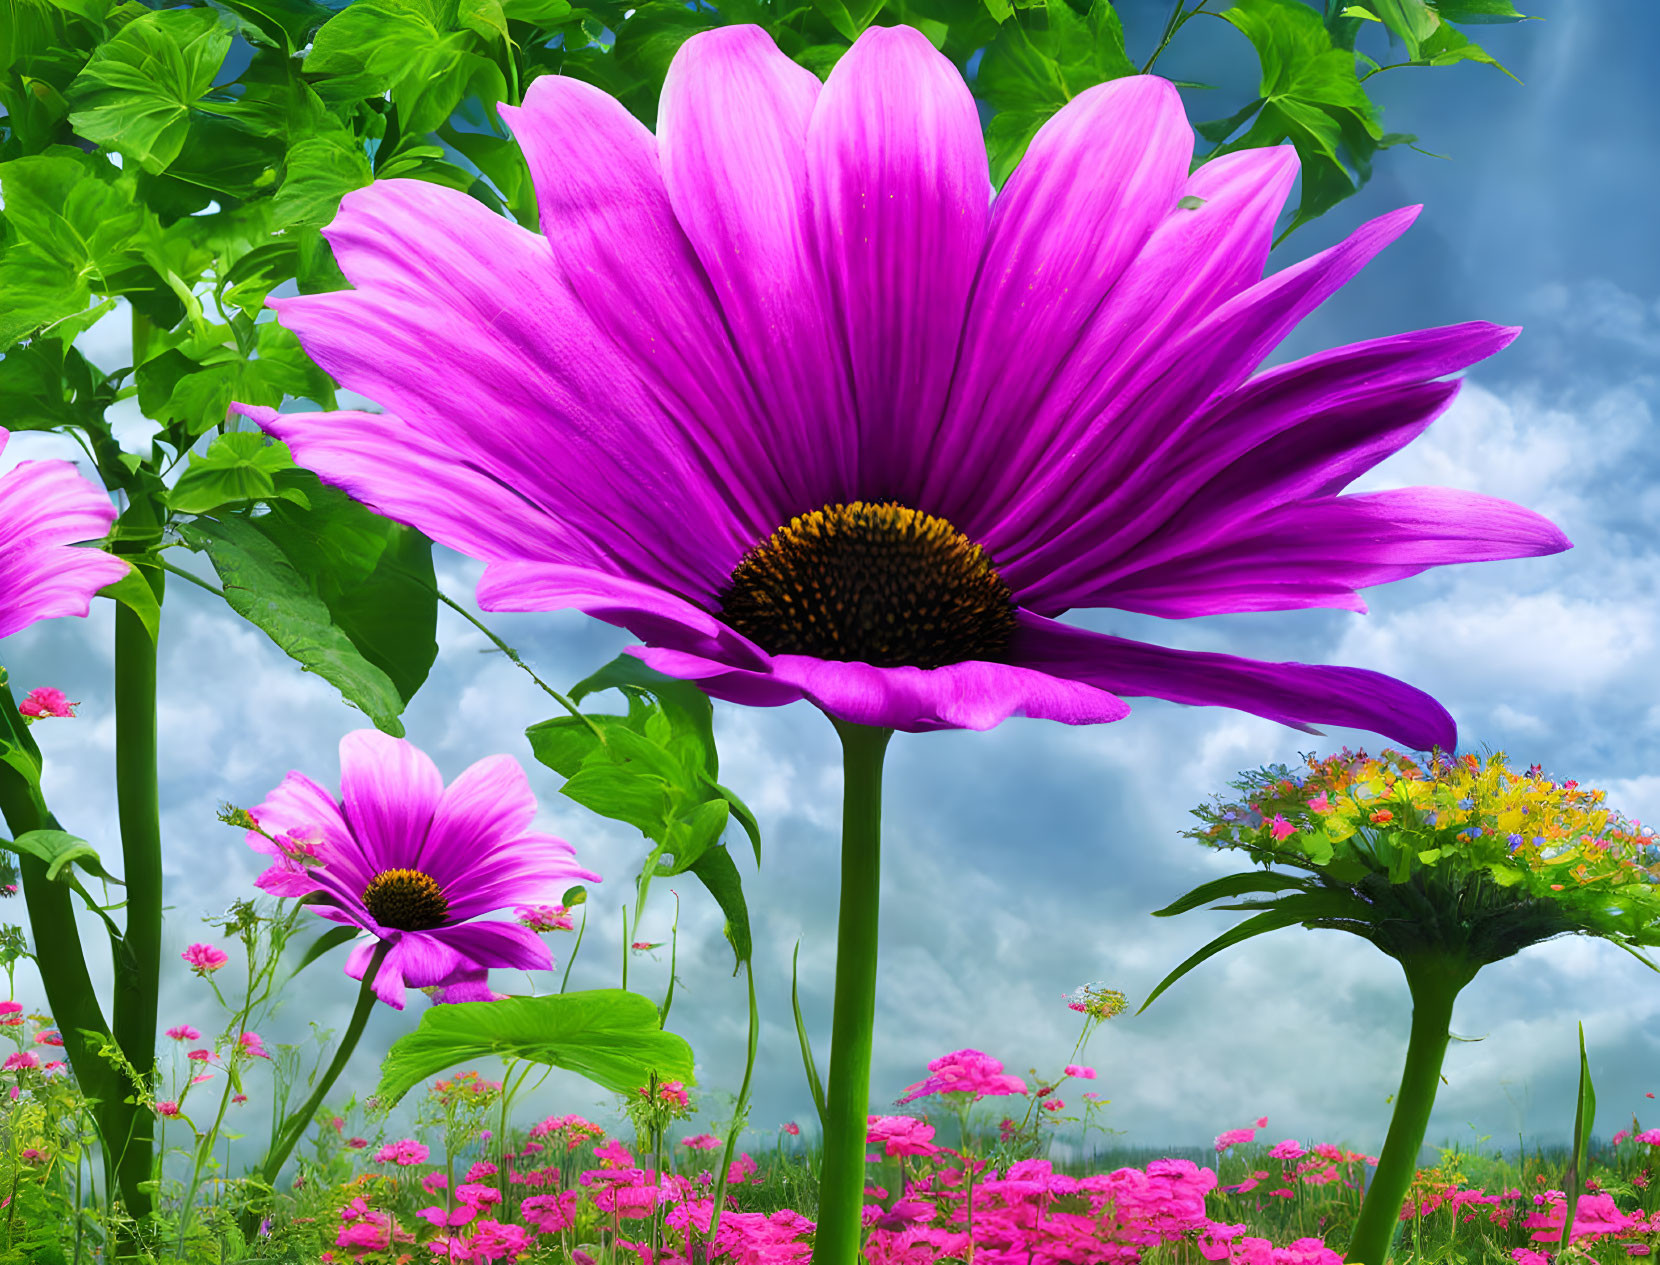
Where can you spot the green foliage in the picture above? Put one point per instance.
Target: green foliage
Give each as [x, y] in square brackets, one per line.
[59, 850]
[346, 593]
[656, 769]
[610, 1036]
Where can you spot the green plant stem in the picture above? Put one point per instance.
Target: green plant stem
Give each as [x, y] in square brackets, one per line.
[138, 809]
[1435, 981]
[842, 1173]
[294, 1129]
[58, 952]
[740, 1113]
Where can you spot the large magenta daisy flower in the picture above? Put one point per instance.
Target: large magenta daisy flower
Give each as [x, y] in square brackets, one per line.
[413, 862]
[46, 507]
[783, 391]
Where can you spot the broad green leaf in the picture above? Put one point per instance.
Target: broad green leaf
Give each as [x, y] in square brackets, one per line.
[134, 592]
[1310, 95]
[537, 12]
[47, 386]
[1447, 46]
[715, 869]
[60, 850]
[248, 281]
[374, 575]
[263, 585]
[237, 468]
[321, 169]
[610, 1036]
[135, 95]
[1476, 12]
[686, 708]
[1041, 58]
[1412, 21]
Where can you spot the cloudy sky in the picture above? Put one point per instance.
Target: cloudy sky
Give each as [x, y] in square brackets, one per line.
[1023, 862]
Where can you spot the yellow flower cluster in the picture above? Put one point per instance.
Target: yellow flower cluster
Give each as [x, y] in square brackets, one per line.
[1350, 813]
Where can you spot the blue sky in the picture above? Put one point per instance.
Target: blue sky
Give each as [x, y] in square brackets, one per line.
[1021, 863]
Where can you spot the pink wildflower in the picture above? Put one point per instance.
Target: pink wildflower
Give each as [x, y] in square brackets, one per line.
[184, 1032]
[48, 1036]
[701, 1142]
[793, 1129]
[1082, 1073]
[252, 1045]
[1234, 1137]
[1649, 1137]
[1281, 829]
[21, 1061]
[1320, 803]
[11, 1013]
[900, 1135]
[1290, 1149]
[205, 959]
[199, 1056]
[1054, 1104]
[403, 1153]
[965, 1072]
[544, 917]
[167, 1107]
[44, 701]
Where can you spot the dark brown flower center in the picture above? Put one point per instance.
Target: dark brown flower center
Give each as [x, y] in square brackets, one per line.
[406, 900]
[877, 583]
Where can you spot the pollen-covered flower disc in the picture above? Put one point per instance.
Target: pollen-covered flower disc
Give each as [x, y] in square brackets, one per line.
[46, 509]
[416, 864]
[783, 391]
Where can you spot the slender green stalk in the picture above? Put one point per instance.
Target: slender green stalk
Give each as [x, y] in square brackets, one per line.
[1435, 982]
[138, 808]
[740, 1112]
[565, 982]
[842, 1175]
[294, 1129]
[59, 955]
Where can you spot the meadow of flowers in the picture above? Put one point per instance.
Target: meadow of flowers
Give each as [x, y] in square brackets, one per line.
[740, 328]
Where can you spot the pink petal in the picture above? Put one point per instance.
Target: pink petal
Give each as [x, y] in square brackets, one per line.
[732, 133]
[1099, 178]
[1297, 694]
[971, 695]
[901, 193]
[389, 790]
[46, 506]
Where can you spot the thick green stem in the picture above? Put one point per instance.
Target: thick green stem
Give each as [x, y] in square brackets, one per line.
[59, 955]
[138, 808]
[294, 1128]
[842, 1177]
[1435, 982]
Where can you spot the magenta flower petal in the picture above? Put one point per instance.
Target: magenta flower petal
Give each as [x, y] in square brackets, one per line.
[389, 790]
[1197, 257]
[970, 695]
[628, 265]
[740, 194]
[412, 862]
[902, 195]
[785, 393]
[1318, 552]
[1303, 430]
[1097, 181]
[46, 507]
[1297, 694]
[565, 410]
[649, 612]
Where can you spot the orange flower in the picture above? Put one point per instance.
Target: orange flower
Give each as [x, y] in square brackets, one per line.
[1382, 816]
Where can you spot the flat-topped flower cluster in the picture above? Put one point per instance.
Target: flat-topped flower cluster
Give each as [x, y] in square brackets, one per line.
[1349, 814]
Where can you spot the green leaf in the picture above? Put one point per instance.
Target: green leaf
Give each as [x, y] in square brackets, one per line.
[321, 169]
[1272, 920]
[374, 575]
[1447, 46]
[610, 1036]
[1585, 1114]
[1232, 885]
[134, 592]
[715, 869]
[60, 850]
[814, 1085]
[237, 468]
[1042, 57]
[1412, 21]
[849, 19]
[263, 585]
[1310, 95]
[1474, 12]
[326, 943]
[135, 95]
